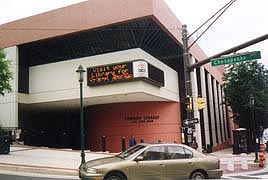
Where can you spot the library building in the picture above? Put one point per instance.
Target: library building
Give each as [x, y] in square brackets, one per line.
[133, 86]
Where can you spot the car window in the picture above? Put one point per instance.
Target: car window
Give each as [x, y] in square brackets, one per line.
[188, 153]
[177, 152]
[154, 153]
[131, 151]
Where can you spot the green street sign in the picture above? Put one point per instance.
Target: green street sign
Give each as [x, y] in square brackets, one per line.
[236, 58]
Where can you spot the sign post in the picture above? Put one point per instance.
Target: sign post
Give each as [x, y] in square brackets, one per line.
[236, 58]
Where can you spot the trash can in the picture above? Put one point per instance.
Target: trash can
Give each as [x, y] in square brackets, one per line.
[240, 141]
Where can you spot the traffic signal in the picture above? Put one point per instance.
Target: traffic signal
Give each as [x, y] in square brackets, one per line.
[188, 103]
[200, 103]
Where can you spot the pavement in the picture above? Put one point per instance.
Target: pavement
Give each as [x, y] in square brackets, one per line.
[44, 161]
[241, 166]
[65, 162]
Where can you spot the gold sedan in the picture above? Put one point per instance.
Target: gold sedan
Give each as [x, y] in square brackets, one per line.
[153, 162]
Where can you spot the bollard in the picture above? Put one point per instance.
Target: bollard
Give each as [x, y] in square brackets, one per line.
[230, 163]
[103, 143]
[265, 159]
[142, 141]
[123, 143]
[244, 161]
[261, 159]
[262, 148]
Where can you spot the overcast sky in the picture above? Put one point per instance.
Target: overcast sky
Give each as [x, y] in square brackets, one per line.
[243, 21]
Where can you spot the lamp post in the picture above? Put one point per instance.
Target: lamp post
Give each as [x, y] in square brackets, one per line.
[252, 103]
[80, 72]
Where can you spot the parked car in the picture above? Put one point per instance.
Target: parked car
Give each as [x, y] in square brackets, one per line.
[153, 162]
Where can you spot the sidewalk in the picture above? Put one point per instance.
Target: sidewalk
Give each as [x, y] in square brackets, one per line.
[226, 157]
[47, 161]
[65, 162]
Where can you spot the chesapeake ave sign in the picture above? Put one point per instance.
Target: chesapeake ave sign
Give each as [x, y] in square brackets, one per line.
[236, 58]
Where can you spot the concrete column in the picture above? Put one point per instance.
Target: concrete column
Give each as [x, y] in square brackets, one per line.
[221, 113]
[211, 107]
[9, 103]
[205, 111]
[225, 116]
[217, 110]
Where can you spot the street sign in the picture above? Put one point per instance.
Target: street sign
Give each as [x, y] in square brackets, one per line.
[187, 122]
[201, 103]
[236, 58]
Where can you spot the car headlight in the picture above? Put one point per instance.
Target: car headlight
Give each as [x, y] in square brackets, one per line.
[92, 170]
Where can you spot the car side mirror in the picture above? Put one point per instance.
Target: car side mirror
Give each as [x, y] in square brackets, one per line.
[139, 158]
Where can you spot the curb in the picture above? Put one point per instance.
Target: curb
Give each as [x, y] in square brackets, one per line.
[26, 147]
[247, 173]
[38, 169]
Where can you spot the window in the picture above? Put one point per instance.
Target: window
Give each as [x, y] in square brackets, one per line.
[131, 151]
[188, 153]
[176, 152]
[154, 153]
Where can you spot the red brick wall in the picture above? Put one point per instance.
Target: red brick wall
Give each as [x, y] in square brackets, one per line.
[150, 121]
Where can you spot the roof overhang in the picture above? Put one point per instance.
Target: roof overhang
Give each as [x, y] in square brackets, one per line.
[91, 15]
[95, 14]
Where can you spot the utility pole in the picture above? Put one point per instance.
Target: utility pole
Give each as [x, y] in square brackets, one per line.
[186, 62]
[188, 100]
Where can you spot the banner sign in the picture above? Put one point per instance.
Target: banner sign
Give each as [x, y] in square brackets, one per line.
[126, 71]
[109, 73]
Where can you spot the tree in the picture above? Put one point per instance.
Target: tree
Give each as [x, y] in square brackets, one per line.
[242, 81]
[5, 74]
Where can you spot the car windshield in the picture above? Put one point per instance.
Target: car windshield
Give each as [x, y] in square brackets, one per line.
[131, 151]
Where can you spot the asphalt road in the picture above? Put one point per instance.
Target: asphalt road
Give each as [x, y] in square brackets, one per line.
[19, 177]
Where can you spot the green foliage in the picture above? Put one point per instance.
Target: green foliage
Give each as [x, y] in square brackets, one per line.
[242, 81]
[5, 74]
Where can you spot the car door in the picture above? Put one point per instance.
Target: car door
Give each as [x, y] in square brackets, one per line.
[152, 166]
[179, 163]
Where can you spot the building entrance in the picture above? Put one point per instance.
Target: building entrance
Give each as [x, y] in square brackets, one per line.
[55, 129]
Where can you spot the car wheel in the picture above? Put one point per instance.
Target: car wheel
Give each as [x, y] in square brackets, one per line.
[115, 176]
[198, 175]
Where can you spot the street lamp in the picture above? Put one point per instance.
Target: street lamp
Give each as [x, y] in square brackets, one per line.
[252, 103]
[80, 74]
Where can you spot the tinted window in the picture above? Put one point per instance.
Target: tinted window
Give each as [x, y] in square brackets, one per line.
[176, 152]
[154, 153]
